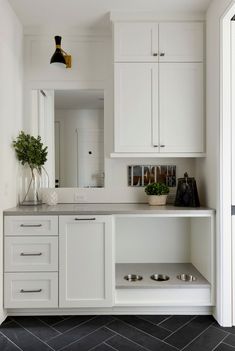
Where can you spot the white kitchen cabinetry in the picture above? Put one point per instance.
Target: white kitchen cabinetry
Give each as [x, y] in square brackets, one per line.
[86, 261]
[31, 262]
[163, 42]
[159, 108]
[181, 108]
[158, 101]
[136, 107]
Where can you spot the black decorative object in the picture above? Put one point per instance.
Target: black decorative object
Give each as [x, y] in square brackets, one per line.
[187, 195]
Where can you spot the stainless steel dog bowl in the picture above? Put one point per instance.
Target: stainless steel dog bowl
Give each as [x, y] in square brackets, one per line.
[160, 277]
[186, 277]
[133, 277]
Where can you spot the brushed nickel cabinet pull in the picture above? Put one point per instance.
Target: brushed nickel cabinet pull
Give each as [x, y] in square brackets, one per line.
[31, 254]
[84, 219]
[31, 225]
[30, 291]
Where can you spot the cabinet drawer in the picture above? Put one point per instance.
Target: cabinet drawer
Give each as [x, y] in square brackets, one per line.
[31, 254]
[30, 290]
[31, 225]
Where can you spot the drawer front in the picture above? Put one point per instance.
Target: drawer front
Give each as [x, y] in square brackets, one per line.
[24, 254]
[30, 225]
[30, 290]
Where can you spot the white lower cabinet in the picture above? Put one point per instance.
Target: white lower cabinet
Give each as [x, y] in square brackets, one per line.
[85, 261]
[30, 290]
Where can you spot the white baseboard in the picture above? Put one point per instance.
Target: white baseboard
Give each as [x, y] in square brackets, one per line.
[112, 310]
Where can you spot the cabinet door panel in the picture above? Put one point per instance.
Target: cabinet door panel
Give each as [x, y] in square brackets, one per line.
[134, 107]
[85, 261]
[181, 42]
[135, 42]
[181, 107]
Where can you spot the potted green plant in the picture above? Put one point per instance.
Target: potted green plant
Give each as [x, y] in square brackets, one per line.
[32, 155]
[157, 193]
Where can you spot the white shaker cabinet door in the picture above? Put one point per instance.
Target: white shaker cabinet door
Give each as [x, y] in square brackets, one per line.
[135, 42]
[181, 107]
[181, 42]
[86, 265]
[136, 107]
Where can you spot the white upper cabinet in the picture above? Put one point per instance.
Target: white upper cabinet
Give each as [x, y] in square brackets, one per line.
[181, 107]
[181, 42]
[135, 104]
[136, 42]
[163, 42]
[159, 89]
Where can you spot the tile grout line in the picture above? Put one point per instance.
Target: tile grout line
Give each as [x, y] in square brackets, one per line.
[220, 342]
[125, 337]
[11, 341]
[49, 326]
[74, 327]
[142, 331]
[79, 339]
[68, 317]
[199, 336]
[33, 335]
[113, 348]
[103, 342]
[225, 344]
[156, 325]
[182, 326]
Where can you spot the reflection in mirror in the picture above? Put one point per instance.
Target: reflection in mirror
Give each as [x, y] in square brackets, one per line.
[78, 138]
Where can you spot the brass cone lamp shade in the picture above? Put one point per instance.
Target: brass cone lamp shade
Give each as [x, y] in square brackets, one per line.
[60, 56]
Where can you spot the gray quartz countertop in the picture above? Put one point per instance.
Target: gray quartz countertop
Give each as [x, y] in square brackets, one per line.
[105, 209]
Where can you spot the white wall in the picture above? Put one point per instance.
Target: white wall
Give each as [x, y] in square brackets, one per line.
[11, 81]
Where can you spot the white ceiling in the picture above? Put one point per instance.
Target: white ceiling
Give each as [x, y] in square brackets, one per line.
[79, 99]
[94, 13]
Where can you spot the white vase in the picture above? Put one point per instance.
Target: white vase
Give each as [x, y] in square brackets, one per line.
[157, 200]
[50, 197]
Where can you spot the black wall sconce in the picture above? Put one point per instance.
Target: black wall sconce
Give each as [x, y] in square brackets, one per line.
[60, 56]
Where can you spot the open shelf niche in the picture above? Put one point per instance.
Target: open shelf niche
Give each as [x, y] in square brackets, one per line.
[169, 246]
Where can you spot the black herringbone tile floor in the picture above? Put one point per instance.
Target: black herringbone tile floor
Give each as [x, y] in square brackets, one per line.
[107, 333]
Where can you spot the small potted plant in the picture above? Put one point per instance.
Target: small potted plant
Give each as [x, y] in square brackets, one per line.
[32, 155]
[157, 193]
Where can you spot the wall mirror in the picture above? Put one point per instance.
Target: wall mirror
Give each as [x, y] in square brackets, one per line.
[71, 124]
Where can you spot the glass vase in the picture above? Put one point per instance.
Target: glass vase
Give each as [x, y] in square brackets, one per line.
[30, 186]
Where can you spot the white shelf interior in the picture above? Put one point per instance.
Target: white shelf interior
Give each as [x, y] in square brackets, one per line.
[165, 245]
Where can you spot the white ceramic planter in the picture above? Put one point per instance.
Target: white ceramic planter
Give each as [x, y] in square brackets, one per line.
[157, 200]
[50, 197]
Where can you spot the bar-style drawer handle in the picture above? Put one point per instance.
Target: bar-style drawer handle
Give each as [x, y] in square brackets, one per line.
[162, 145]
[31, 225]
[84, 219]
[31, 254]
[162, 54]
[30, 291]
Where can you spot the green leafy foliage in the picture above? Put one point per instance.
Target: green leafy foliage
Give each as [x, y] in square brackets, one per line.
[157, 189]
[30, 150]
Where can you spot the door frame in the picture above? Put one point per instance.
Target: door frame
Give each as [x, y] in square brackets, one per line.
[226, 284]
